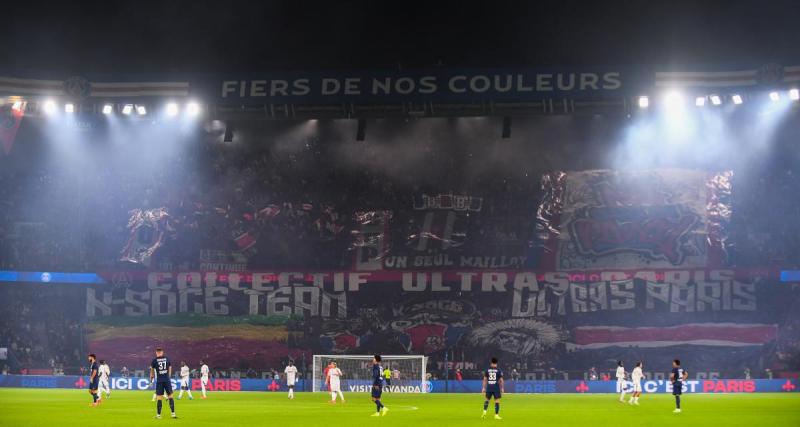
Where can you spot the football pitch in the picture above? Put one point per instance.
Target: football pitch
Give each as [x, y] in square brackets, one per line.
[65, 408]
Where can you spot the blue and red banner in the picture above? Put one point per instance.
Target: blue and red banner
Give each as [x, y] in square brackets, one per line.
[466, 386]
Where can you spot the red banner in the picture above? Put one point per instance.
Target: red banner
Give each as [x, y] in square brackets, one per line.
[10, 119]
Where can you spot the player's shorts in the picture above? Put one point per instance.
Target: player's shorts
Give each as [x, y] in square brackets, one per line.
[104, 383]
[163, 387]
[336, 386]
[93, 384]
[494, 393]
[637, 387]
[204, 380]
[290, 385]
[677, 388]
[377, 390]
[621, 385]
[185, 383]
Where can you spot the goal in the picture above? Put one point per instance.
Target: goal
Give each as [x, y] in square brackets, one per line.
[408, 372]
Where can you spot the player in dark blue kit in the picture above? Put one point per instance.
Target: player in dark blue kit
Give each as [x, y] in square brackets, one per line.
[377, 386]
[94, 379]
[677, 376]
[493, 387]
[161, 371]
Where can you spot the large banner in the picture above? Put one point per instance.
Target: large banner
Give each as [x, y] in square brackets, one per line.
[714, 321]
[599, 220]
[445, 231]
[443, 85]
[604, 219]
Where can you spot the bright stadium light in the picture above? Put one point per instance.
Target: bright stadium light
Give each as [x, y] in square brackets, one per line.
[774, 96]
[172, 109]
[69, 107]
[127, 109]
[794, 94]
[49, 107]
[737, 99]
[700, 101]
[715, 99]
[644, 102]
[141, 110]
[108, 109]
[673, 100]
[193, 108]
[17, 106]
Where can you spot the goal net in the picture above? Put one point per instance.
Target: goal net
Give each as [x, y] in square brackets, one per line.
[407, 372]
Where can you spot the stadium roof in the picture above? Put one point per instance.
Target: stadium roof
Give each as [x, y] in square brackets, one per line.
[206, 36]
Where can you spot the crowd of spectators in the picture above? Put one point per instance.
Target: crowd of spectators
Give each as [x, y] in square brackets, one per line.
[40, 329]
[287, 204]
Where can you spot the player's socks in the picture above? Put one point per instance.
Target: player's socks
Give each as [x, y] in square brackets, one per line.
[622, 396]
[189, 392]
[180, 395]
[172, 405]
[341, 396]
[158, 407]
[333, 397]
[94, 397]
[677, 402]
[496, 408]
[485, 405]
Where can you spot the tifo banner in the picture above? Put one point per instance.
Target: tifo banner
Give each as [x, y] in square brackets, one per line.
[445, 231]
[436, 386]
[257, 342]
[608, 219]
[713, 320]
[599, 220]
[147, 233]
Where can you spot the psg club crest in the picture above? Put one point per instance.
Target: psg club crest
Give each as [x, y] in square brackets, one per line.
[77, 87]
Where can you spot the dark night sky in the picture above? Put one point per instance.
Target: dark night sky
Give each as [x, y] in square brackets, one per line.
[199, 36]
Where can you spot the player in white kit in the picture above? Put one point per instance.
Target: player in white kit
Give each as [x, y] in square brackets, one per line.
[335, 380]
[185, 382]
[203, 377]
[291, 378]
[105, 374]
[621, 381]
[636, 376]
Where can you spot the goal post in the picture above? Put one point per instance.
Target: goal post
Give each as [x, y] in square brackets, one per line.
[407, 372]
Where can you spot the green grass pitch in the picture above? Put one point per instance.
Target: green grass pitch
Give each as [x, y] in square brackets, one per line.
[65, 408]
